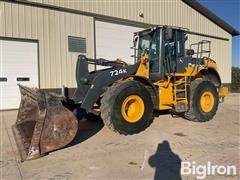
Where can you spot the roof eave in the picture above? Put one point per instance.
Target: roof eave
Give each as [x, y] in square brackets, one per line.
[211, 16]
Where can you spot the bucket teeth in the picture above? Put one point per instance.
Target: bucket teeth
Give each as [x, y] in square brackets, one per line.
[23, 145]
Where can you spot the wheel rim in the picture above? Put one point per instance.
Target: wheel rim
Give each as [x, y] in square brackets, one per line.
[207, 101]
[132, 108]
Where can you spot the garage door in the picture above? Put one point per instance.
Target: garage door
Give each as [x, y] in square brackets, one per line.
[19, 65]
[114, 41]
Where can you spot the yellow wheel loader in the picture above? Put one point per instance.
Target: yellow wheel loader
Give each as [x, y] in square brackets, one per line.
[165, 76]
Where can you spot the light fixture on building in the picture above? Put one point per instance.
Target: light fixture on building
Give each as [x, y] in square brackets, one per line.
[141, 15]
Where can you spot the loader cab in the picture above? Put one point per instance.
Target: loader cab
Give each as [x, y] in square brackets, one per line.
[165, 47]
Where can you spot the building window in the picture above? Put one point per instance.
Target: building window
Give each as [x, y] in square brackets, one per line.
[77, 44]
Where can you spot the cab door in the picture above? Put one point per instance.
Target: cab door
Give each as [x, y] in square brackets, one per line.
[174, 52]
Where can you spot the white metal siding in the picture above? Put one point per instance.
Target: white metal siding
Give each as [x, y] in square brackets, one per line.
[161, 12]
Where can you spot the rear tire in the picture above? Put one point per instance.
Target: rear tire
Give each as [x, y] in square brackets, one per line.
[202, 110]
[113, 112]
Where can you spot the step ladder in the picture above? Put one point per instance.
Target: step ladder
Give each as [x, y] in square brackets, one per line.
[180, 87]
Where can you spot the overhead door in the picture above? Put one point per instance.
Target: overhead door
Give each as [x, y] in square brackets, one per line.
[114, 41]
[19, 65]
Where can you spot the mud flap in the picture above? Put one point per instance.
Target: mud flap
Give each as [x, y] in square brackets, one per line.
[43, 123]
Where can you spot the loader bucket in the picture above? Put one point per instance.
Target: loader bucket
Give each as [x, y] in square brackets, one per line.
[43, 123]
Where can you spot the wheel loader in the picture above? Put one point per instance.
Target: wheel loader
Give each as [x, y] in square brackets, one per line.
[164, 76]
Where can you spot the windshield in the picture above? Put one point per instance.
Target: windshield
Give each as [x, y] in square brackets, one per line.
[144, 44]
[149, 43]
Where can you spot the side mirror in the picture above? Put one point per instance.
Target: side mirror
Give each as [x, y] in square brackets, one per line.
[190, 52]
[135, 39]
[185, 37]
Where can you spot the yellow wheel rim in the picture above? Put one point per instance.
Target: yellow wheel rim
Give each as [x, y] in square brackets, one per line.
[132, 108]
[207, 101]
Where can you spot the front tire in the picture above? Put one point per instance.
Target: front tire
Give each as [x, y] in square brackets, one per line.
[126, 107]
[204, 101]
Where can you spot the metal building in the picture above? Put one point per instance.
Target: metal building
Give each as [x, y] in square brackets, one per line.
[41, 39]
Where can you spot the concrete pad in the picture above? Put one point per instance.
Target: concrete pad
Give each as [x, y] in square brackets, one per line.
[99, 153]
[8, 163]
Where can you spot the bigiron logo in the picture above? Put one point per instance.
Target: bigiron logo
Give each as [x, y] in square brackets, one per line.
[201, 171]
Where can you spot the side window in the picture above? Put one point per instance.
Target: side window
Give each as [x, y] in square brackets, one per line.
[145, 44]
[170, 49]
[174, 49]
[154, 53]
[170, 53]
